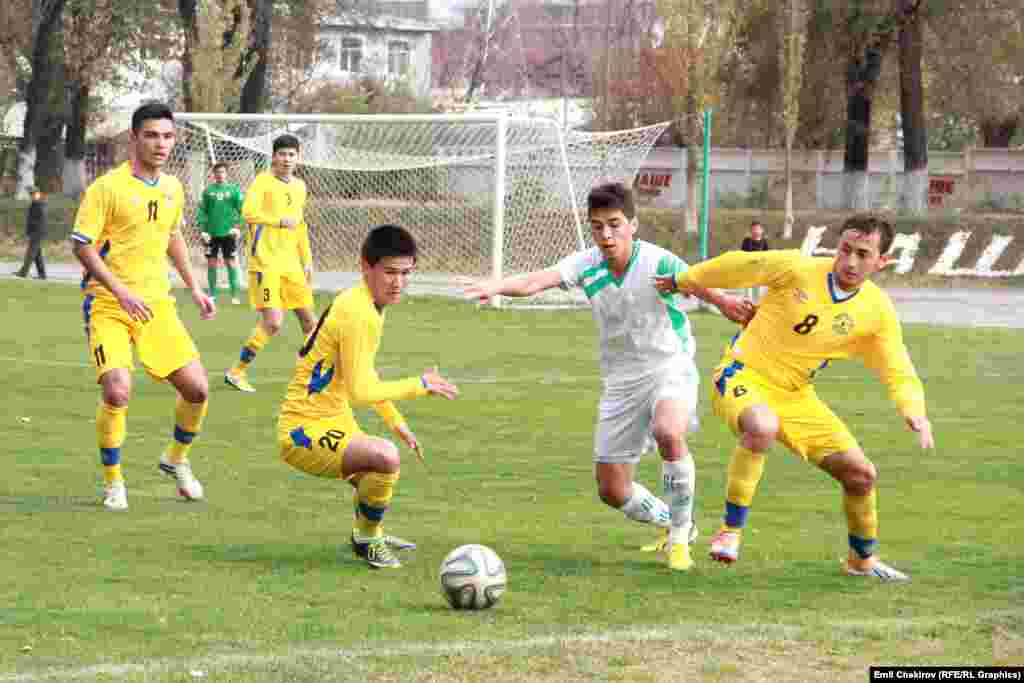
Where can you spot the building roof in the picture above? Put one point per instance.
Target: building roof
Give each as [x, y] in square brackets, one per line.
[380, 22]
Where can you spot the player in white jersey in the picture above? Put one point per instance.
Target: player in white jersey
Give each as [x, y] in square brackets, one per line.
[647, 349]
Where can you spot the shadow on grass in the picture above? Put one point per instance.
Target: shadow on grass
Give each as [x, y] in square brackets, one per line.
[40, 503]
[278, 555]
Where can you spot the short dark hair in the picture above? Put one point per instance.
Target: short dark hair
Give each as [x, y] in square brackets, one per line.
[220, 164]
[870, 224]
[612, 196]
[388, 240]
[286, 141]
[753, 223]
[150, 111]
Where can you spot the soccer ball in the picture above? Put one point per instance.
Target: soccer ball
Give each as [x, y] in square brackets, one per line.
[472, 577]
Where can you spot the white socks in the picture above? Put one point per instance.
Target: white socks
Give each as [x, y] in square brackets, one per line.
[643, 506]
[678, 481]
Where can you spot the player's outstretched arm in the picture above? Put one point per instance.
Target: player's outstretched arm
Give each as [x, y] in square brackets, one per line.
[518, 286]
[436, 385]
[178, 251]
[98, 270]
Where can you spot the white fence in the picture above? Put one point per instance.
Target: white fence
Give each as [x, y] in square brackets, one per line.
[757, 177]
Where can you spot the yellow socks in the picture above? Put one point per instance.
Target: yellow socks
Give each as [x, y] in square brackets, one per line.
[862, 522]
[257, 340]
[745, 469]
[111, 426]
[188, 420]
[375, 492]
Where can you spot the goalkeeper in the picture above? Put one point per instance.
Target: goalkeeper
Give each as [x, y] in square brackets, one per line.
[220, 220]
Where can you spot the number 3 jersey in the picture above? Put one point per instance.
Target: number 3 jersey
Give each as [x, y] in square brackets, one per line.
[642, 332]
[130, 221]
[803, 323]
[335, 370]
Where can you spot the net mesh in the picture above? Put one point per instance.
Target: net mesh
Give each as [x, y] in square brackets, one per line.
[437, 176]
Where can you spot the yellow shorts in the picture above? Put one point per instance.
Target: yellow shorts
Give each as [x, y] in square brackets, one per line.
[317, 447]
[162, 342]
[281, 291]
[806, 425]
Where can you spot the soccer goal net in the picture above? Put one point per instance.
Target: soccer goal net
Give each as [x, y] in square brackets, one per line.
[484, 195]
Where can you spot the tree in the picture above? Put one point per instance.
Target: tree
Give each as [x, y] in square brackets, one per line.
[697, 36]
[254, 64]
[909, 14]
[791, 58]
[44, 106]
[100, 38]
[975, 57]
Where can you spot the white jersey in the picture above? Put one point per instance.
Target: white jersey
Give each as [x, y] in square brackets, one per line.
[642, 331]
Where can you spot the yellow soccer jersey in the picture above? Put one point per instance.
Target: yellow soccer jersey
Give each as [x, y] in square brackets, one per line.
[801, 325]
[335, 370]
[272, 247]
[130, 222]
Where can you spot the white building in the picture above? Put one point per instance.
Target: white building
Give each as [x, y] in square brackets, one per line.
[355, 44]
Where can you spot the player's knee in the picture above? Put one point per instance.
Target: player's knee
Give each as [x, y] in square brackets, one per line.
[759, 429]
[612, 494]
[271, 326]
[386, 457]
[668, 436]
[196, 392]
[860, 478]
[117, 394]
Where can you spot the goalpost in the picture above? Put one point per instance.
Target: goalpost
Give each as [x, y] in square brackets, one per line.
[485, 195]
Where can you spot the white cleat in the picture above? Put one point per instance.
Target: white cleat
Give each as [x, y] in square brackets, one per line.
[115, 496]
[880, 571]
[189, 487]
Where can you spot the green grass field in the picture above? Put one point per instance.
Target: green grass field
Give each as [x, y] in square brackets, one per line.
[258, 583]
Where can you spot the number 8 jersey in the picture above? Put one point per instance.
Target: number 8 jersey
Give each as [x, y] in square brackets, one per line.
[803, 323]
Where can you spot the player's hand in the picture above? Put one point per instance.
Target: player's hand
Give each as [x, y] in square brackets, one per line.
[923, 427]
[406, 435]
[740, 310]
[481, 290]
[205, 236]
[235, 232]
[288, 222]
[134, 306]
[207, 308]
[437, 385]
[309, 275]
[666, 284]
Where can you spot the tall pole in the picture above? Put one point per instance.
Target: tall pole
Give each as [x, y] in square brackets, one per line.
[706, 174]
[498, 206]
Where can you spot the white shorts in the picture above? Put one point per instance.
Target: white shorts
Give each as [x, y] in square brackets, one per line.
[625, 417]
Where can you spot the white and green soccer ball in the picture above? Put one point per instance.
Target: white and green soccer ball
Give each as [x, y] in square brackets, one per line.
[472, 577]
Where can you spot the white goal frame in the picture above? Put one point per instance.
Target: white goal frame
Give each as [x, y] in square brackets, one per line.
[500, 121]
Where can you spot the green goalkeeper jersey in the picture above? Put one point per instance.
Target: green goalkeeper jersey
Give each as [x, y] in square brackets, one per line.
[220, 209]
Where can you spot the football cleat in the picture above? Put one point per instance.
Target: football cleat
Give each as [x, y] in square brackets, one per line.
[189, 487]
[115, 496]
[238, 379]
[661, 542]
[725, 547]
[678, 556]
[377, 553]
[879, 570]
[396, 543]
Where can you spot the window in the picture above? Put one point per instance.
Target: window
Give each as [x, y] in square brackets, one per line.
[398, 58]
[350, 56]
